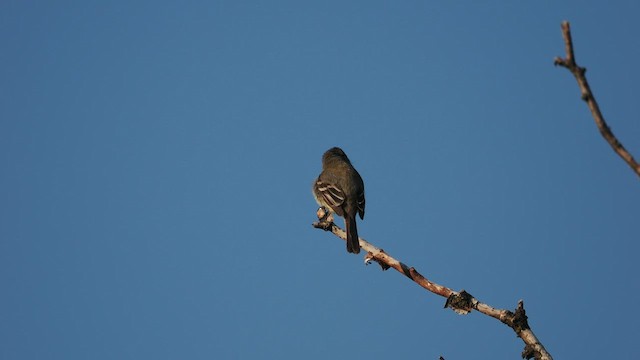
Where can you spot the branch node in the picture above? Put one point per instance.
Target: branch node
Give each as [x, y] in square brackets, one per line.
[530, 352]
[520, 322]
[558, 61]
[461, 303]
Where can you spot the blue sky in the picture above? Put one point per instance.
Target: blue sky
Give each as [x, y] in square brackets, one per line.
[157, 159]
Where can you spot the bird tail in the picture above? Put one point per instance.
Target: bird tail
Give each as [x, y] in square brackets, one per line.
[353, 244]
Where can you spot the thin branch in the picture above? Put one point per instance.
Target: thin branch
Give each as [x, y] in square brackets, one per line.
[461, 302]
[578, 72]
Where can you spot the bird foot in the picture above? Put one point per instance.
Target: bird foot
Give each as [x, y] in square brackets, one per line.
[324, 215]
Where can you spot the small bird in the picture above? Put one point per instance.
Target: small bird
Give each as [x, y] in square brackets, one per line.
[340, 190]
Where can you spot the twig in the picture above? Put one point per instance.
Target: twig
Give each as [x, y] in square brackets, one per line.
[578, 72]
[461, 302]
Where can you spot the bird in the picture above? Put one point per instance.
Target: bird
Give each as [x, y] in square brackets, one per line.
[340, 190]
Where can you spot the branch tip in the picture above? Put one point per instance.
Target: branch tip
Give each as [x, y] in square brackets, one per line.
[578, 72]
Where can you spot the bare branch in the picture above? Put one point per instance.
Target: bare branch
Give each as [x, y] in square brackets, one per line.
[461, 302]
[578, 72]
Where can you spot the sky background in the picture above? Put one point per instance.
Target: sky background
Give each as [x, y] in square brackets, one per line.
[157, 159]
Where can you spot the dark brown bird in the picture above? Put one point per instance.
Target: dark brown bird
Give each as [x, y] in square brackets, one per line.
[340, 190]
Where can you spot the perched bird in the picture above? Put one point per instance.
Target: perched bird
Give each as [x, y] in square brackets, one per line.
[340, 190]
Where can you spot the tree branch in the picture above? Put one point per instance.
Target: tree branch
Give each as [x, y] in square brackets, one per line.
[569, 62]
[461, 302]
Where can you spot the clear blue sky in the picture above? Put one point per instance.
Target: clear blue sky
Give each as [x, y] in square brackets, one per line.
[157, 159]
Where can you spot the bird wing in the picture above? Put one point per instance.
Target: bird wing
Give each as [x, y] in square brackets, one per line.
[332, 196]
